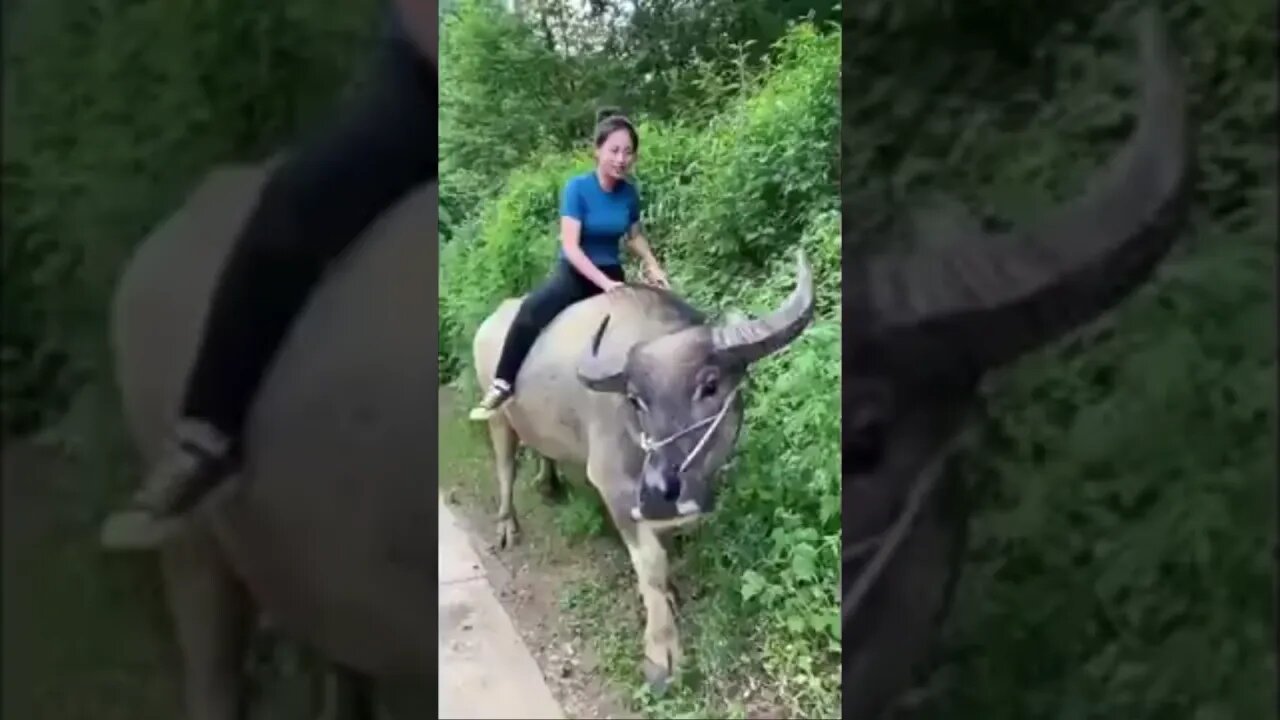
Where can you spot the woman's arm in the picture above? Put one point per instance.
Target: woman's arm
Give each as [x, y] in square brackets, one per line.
[572, 210]
[571, 239]
[639, 244]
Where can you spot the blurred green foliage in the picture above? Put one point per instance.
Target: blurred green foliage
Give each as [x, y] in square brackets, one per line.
[1120, 561]
[112, 112]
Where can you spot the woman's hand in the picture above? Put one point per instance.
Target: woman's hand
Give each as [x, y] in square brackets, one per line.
[610, 284]
[653, 269]
[657, 277]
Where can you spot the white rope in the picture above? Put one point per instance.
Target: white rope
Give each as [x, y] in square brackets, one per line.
[649, 446]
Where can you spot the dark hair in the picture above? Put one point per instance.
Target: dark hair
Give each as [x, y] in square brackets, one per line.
[609, 120]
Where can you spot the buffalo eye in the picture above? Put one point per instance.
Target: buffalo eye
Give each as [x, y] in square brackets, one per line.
[635, 401]
[708, 387]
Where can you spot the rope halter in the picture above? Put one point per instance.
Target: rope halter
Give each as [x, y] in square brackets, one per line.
[650, 446]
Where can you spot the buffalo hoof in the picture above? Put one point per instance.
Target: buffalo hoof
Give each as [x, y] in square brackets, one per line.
[657, 676]
[508, 533]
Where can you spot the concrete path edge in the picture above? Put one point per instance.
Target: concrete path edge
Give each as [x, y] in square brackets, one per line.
[486, 671]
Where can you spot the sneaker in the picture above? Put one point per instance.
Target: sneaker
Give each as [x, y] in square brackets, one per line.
[195, 461]
[499, 393]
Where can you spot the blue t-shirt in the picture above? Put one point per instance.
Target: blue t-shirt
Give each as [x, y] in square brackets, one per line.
[605, 216]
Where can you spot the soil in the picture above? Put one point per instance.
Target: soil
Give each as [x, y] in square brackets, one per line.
[84, 635]
[528, 588]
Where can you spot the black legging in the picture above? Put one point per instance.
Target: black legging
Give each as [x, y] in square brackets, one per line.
[313, 206]
[565, 287]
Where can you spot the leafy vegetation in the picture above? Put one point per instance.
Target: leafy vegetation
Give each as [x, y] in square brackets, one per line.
[112, 111]
[728, 195]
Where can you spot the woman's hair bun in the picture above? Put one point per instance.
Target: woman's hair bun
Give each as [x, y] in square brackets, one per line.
[607, 112]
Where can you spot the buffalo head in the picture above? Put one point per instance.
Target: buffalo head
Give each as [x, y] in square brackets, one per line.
[683, 397]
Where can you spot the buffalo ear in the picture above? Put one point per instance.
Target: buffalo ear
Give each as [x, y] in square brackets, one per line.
[601, 374]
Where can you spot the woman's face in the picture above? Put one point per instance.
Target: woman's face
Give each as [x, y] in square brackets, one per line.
[615, 155]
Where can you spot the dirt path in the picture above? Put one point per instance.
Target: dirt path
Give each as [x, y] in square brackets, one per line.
[84, 635]
[537, 578]
[530, 594]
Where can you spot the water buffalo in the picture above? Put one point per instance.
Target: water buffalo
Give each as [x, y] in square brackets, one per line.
[638, 388]
[921, 330]
[330, 529]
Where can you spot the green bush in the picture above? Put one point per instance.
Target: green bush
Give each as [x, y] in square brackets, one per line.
[502, 99]
[515, 87]
[726, 201]
[112, 111]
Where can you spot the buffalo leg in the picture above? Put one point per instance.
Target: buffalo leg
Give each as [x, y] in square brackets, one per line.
[548, 481]
[212, 619]
[661, 637]
[504, 460]
[610, 475]
[662, 654]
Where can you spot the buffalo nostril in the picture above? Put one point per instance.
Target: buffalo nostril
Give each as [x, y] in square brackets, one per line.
[672, 489]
